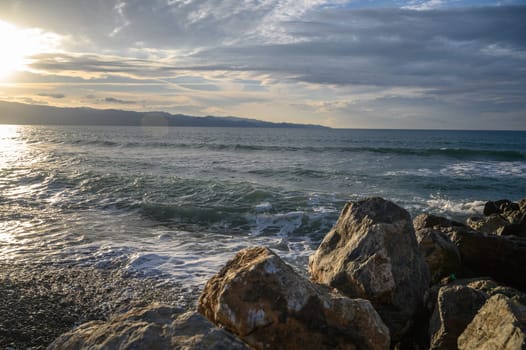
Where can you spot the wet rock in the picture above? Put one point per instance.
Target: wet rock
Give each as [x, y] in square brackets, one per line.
[153, 327]
[493, 224]
[372, 253]
[441, 255]
[499, 324]
[268, 305]
[455, 308]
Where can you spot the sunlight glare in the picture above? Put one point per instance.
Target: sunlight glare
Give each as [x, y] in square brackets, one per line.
[18, 45]
[10, 144]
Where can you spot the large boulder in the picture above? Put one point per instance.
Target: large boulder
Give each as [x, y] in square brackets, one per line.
[456, 306]
[499, 324]
[454, 303]
[500, 257]
[153, 327]
[268, 305]
[441, 255]
[372, 253]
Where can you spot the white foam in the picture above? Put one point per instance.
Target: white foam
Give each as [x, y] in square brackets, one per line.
[423, 172]
[263, 207]
[486, 169]
[448, 206]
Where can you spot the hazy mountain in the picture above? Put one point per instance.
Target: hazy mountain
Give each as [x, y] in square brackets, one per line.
[19, 113]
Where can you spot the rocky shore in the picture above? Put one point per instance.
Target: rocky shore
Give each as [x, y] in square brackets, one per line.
[379, 280]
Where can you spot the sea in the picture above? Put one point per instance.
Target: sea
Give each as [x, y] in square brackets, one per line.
[177, 203]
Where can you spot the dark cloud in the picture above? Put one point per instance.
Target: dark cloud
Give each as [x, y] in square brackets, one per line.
[52, 95]
[468, 59]
[118, 101]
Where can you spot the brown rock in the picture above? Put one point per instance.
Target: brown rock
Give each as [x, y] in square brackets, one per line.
[500, 257]
[499, 324]
[455, 308]
[372, 253]
[153, 327]
[268, 305]
[441, 255]
[433, 221]
[492, 224]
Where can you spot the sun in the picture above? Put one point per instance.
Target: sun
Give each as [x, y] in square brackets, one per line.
[18, 45]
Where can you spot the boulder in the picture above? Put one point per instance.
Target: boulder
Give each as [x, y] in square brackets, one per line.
[500, 257]
[499, 324]
[268, 305]
[153, 327]
[500, 206]
[441, 255]
[433, 221]
[372, 253]
[458, 303]
[493, 223]
[455, 308]
[503, 217]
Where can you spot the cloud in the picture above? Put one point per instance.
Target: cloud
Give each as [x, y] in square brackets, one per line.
[52, 95]
[337, 57]
[118, 101]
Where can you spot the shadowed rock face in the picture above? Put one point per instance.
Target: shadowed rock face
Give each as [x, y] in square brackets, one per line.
[499, 324]
[154, 327]
[442, 256]
[262, 300]
[455, 308]
[503, 258]
[372, 253]
[455, 304]
[500, 257]
[502, 217]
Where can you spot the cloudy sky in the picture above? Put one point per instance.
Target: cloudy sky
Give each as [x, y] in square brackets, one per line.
[360, 63]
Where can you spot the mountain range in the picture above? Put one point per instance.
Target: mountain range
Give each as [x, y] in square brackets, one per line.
[20, 113]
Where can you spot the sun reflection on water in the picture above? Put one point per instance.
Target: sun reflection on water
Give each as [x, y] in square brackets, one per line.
[11, 146]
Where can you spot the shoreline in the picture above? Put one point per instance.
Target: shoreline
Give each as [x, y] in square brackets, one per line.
[40, 302]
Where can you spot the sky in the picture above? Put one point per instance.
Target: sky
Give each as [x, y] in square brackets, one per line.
[439, 64]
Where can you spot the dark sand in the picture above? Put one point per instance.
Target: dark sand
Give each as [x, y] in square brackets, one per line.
[38, 303]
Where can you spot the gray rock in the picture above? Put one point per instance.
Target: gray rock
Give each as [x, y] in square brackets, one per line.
[441, 255]
[372, 253]
[499, 324]
[268, 305]
[153, 327]
[455, 308]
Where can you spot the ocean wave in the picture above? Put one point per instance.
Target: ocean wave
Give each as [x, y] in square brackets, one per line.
[457, 153]
[486, 169]
[454, 207]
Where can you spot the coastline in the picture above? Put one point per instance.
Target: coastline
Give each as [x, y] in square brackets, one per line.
[40, 302]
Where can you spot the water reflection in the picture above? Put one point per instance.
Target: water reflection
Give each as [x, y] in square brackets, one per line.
[11, 145]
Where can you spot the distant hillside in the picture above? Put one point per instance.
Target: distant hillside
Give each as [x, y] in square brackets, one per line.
[19, 113]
